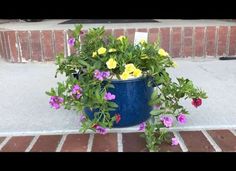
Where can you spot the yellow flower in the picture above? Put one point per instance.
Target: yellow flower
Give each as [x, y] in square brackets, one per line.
[102, 50]
[95, 54]
[111, 63]
[175, 65]
[124, 76]
[112, 50]
[162, 52]
[129, 68]
[137, 73]
[121, 38]
[142, 41]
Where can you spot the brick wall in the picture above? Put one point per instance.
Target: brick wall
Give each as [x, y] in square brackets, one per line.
[197, 42]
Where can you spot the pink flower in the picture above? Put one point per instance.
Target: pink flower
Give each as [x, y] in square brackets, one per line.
[101, 75]
[71, 41]
[82, 118]
[98, 75]
[142, 126]
[56, 101]
[174, 141]
[101, 130]
[77, 91]
[181, 118]
[109, 96]
[167, 121]
[196, 102]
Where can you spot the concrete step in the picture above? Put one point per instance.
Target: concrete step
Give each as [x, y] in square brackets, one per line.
[24, 107]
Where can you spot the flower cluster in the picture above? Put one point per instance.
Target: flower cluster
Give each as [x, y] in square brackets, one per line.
[130, 70]
[77, 91]
[109, 96]
[56, 101]
[101, 75]
[99, 60]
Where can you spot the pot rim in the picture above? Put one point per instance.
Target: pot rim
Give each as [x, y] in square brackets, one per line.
[129, 80]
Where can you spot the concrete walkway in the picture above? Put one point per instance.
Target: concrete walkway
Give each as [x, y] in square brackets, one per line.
[24, 107]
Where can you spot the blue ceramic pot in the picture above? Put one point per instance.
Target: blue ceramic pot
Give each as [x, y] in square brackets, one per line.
[132, 97]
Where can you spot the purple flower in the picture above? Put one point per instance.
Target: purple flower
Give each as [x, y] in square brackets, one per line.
[174, 141]
[82, 118]
[101, 75]
[101, 130]
[98, 75]
[71, 41]
[167, 121]
[181, 118]
[77, 90]
[55, 101]
[106, 74]
[142, 126]
[109, 96]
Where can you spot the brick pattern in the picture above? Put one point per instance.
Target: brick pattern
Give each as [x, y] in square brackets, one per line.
[199, 42]
[187, 42]
[210, 41]
[195, 141]
[36, 46]
[47, 45]
[130, 34]
[24, 46]
[222, 40]
[165, 38]
[46, 143]
[232, 41]
[75, 143]
[59, 41]
[118, 32]
[17, 144]
[225, 140]
[176, 42]
[133, 142]
[105, 143]
[153, 35]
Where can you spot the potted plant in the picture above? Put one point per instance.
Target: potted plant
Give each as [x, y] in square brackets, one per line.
[117, 84]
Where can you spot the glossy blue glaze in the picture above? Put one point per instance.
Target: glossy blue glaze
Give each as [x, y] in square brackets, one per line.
[132, 97]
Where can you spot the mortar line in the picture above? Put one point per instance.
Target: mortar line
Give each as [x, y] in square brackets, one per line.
[61, 143]
[120, 142]
[4, 142]
[181, 141]
[90, 143]
[211, 141]
[32, 143]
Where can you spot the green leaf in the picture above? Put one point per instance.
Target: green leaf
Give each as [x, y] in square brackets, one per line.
[84, 63]
[111, 86]
[157, 112]
[154, 95]
[113, 104]
[97, 94]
